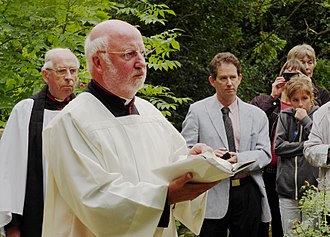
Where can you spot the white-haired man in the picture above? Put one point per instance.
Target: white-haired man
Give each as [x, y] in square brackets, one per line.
[22, 166]
[103, 147]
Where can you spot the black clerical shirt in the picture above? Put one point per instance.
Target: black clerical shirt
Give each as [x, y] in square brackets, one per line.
[114, 104]
[117, 107]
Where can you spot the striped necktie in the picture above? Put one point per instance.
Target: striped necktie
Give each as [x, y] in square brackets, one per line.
[229, 128]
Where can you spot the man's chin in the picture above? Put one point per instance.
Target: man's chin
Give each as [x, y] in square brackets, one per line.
[140, 83]
[231, 92]
[68, 88]
[67, 91]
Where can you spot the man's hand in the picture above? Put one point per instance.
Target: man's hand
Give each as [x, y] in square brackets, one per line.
[13, 231]
[199, 148]
[277, 87]
[222, 151]
[181, 189]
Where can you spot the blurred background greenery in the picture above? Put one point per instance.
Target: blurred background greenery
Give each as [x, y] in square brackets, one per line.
[182, 36]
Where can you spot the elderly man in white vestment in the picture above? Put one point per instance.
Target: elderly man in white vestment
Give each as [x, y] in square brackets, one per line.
[102, 147]
[22, 166]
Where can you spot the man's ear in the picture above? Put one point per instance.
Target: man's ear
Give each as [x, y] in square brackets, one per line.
[97, 62]
[45, 75]
[212, 81]
[240, 77]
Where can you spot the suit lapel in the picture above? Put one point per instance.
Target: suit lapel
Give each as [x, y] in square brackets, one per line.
[215, 115]
[245, 120]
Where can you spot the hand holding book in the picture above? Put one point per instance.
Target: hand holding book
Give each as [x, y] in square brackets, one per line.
[205, 167]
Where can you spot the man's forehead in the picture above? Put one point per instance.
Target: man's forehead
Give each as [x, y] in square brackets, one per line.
[120, 35]
[113, 29]
[64, 59]
[129, 43]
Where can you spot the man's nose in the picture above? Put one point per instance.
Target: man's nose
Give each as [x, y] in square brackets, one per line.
[229, 81]
[69, 78]
[141, 61]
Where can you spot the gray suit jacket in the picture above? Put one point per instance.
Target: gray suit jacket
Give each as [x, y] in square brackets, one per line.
[204, 124]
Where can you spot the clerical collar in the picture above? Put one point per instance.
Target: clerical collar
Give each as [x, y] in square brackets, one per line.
[50, 96]
[53, 103]
[116, 105]
[127, 101]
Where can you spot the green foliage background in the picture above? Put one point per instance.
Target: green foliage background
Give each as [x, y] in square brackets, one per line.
[29, 28]
[182, 35]
[259, 33]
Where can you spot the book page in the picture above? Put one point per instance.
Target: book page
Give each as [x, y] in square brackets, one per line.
[239, 166]
[204, 167]
[217, 161]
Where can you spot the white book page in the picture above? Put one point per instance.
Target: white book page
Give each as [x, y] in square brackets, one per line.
[205, 168]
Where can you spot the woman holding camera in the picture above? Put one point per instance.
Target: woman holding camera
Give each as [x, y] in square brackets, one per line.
[306, 55]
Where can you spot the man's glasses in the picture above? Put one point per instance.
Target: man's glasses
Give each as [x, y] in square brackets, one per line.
[63, 71]
[127, 54]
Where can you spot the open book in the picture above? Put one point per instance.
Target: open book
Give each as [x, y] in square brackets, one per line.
[205, 168]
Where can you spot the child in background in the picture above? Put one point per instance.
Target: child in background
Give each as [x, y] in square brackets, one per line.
[293, 170]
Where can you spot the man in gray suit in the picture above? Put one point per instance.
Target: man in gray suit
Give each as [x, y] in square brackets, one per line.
[237, 204]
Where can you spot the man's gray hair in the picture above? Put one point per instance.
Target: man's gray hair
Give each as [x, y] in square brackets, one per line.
[92, 47]
[51, 54]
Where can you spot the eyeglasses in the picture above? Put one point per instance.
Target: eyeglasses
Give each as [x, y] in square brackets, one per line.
[127, 54]
[63, 71]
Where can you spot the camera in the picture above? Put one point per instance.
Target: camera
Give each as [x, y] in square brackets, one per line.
[288, 75]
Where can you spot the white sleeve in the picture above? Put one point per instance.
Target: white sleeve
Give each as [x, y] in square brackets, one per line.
[13, 161]
[316, 147]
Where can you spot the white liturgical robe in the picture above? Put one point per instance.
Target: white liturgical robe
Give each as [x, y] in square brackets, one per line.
[14, 156]
[100, 173]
